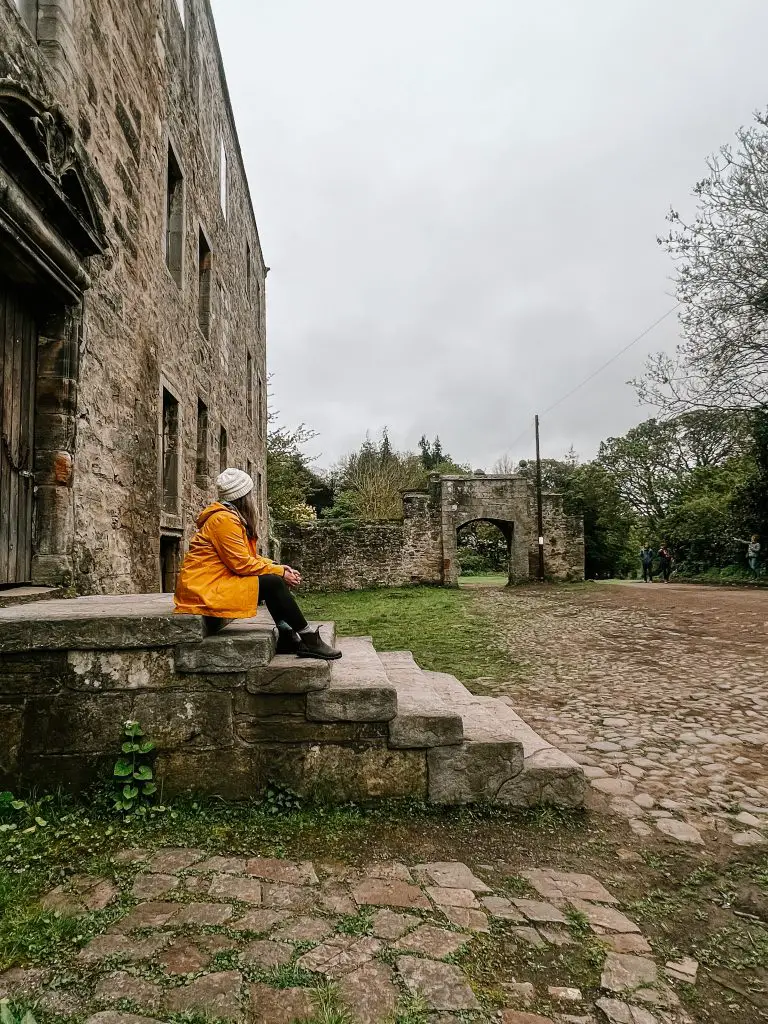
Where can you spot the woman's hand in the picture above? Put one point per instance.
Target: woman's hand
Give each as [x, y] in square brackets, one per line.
[291, 577]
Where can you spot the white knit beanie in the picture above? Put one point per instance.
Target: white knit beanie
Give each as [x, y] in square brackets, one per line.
[233, 484]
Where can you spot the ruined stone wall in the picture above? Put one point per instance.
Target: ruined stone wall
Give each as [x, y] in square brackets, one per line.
[134, 78]
[355, 556]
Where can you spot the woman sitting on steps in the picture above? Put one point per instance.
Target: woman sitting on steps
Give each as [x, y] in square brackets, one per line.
[223, 577]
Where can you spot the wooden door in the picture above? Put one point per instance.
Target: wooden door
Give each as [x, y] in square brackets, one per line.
[18, 358]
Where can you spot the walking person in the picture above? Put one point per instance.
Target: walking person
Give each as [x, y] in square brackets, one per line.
[223, 576]
[665, 562]
[646, 557]
[753, 552]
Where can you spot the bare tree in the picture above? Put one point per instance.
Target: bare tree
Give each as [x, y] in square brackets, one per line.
[505, 465]
[721, 259]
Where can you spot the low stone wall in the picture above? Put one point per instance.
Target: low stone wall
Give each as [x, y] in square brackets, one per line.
[345, 556]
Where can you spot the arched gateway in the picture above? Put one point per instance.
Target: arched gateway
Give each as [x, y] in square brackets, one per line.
[422, 546]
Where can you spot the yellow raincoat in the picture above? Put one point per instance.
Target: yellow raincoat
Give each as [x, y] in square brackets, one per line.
[220, 573]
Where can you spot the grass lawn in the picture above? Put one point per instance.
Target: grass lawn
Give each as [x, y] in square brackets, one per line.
[442, 627]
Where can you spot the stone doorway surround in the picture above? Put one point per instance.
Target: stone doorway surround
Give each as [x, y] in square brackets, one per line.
[49, 229]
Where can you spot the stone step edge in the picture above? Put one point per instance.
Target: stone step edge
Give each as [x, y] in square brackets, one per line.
[548, 775]
[245, 645]
[423, 718]
[359, 690]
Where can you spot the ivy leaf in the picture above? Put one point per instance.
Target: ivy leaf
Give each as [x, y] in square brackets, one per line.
[123, 768]
[41, 822]
[133, 729]
[149, 788]
[6, 797]
[143, 773]
[130, 748]
[146, 747]
[130, 792]
[5, 1012]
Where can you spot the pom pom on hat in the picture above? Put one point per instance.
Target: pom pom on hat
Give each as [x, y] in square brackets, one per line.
[233, 484]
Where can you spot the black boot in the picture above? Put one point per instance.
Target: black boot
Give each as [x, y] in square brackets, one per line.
[312, 645]
[287, 639]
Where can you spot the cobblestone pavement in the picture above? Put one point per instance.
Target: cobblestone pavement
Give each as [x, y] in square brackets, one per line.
[660, 691]
[260, 940]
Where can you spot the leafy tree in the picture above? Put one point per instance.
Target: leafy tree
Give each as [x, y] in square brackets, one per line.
[609, 547]
[721, 261]
[295, 491]
[652, 461]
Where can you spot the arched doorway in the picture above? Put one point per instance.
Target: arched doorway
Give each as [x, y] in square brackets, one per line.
[484, 548]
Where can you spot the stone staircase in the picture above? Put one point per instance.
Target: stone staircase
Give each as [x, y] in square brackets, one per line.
[231, 717]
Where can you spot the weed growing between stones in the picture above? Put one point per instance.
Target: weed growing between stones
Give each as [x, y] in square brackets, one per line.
[133, 772]
[10, 1015]
[360, 923]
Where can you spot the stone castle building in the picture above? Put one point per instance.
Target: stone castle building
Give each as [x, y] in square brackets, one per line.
[132, 300]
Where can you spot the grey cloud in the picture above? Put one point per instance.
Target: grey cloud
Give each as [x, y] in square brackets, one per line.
[460, 202]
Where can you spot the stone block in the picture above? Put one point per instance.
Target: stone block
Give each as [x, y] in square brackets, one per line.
[31, 672]
[343, 773]
[266, 705]
[101, 623]
[472, 772]
[11, 730]
[359, 690]
[186, 720]
[292, 729]
[225, 654]
[287, 674]
[280, 1006]
[441, 986]
[75, 724]
[549, 777]
[98, 671]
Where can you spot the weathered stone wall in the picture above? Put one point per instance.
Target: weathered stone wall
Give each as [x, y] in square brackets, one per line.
[133, 78]
[423, 547]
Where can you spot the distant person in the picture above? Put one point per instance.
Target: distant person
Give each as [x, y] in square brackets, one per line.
[665, 562]
[753, 552]
[223, 576]
[646, 557]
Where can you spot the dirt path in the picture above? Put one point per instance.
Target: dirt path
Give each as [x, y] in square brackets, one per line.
[660, 691]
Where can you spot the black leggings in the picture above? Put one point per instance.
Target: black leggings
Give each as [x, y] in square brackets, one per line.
[281, 605]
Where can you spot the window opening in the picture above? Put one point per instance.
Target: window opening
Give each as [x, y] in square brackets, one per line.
[223, 178]
[260, 411]
[258, 493]
[223, 450]
[204, 263]
[170, 556]
[247, 270]
[180, 9]
[249, 386]
[170, 453]
[174, 219]
[201, 463]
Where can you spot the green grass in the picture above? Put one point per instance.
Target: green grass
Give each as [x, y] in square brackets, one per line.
[442, 627]
[491, 579]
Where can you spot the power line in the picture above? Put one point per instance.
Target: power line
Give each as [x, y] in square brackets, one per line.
[599, 370]
[613, 358]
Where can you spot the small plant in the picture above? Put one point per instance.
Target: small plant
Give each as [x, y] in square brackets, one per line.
[360, 923]
[280, 800]
[8, 1015]
[30, 812]
[133, 773]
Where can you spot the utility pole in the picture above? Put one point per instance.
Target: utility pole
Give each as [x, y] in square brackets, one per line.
[538, 502]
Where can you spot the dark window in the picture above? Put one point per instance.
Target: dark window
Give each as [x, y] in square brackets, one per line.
[249, 386]
[259, 498]
[201, 464]
[248, 270]
[170, 453]
[174, 220]
[223, 450]
[170, 551]
[260, 403]
[204, 285]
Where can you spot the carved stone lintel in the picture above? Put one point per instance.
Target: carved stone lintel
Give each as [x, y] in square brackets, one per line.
[58, 139]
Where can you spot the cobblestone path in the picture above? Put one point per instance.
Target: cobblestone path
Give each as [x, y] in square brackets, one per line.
[660, 691]
[268, 941]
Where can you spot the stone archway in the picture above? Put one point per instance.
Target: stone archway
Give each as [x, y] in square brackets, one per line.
[507, 531]
[49, 229]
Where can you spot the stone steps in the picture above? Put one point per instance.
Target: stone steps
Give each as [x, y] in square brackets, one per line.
[546, 774]
[359, 689]
[423, 718]
[230, 717]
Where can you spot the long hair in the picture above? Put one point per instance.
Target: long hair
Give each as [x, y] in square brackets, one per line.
[246, 506]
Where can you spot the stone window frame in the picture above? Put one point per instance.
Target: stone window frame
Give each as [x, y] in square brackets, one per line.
[172, 520]
[177, 275]
[260, 404]
[202, 452]
[204, 284]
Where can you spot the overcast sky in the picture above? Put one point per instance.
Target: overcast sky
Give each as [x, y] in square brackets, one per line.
[459, 202]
